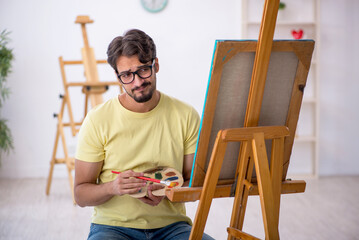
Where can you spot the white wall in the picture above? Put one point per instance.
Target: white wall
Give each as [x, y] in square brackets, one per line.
[339, 86]
[44, 30]
[184, 33]
[339, 98]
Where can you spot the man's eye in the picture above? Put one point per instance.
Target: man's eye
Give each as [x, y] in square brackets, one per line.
[142, 70]
[125, 75]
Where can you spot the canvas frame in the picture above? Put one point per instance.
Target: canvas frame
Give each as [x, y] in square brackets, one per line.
[225, 50]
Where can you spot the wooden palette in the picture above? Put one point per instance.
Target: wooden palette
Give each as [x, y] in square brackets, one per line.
[160, 173]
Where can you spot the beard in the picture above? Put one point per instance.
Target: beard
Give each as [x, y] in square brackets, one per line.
[142, 97]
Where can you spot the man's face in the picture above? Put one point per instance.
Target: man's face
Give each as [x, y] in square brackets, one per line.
[141, 90]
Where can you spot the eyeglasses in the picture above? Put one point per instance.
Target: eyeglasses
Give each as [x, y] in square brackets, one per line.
[143, 72]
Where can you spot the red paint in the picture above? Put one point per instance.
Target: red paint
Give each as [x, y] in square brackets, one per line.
[169, 174]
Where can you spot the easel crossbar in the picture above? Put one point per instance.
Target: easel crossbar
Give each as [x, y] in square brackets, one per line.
[239, 234]
[188, 194]
[245, 134]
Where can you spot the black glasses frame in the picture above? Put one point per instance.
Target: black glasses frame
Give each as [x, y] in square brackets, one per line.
[136, 73]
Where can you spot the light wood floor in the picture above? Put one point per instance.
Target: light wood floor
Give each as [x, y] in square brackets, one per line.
[329, 209]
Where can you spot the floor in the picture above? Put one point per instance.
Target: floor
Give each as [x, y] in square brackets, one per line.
[329, 209]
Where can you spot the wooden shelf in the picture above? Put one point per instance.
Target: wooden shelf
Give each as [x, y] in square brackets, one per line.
[309, 100]
[305, 139]
[279, 23]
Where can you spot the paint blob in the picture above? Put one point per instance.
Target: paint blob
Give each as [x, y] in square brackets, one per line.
[158, 175]
[170, 174]
[171, 178]
[175, 184]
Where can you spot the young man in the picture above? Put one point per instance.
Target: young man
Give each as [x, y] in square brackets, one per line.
[138, 130]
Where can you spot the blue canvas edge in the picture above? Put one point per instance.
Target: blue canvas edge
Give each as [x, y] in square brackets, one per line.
[209, 80]
[200, 126]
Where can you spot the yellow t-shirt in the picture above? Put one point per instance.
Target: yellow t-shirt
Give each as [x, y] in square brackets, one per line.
[138, 141]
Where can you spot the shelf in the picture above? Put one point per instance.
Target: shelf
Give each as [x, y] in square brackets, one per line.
[279, 23]
[309, 100]
[305, 138]
[297, 15]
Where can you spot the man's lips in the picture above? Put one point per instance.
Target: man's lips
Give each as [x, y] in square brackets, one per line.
[142, 87]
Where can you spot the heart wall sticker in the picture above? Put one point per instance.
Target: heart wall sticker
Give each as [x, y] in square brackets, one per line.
[297, 34]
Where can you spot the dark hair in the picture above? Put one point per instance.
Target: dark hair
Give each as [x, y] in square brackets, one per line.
[133, 42]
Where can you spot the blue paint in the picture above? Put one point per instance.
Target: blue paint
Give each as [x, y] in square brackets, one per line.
[171, 178]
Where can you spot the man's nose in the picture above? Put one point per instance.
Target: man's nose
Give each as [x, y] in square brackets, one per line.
[138, 80]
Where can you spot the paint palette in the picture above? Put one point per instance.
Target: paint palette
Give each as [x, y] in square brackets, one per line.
[160, 173]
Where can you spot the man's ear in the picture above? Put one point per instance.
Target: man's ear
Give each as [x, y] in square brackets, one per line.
[156, 65]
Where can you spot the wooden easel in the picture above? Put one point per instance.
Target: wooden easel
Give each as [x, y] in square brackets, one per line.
[93, 90]
[209, 178]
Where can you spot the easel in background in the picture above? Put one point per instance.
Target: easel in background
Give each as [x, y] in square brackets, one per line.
[93, 90]
[252, 84]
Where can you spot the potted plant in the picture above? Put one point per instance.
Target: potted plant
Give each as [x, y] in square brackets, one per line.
[281, 6]
[6, 57]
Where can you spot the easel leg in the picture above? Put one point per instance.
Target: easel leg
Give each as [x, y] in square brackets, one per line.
[54, 151]
[276, 173]
[71, 181]
[238, 199]
[265, 187]
[242, 189]
[52, 162]
[67, 161]
[209, 188]
[86, 104]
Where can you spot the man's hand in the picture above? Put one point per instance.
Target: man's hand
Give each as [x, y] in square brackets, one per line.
[151, 199]
[128, 183]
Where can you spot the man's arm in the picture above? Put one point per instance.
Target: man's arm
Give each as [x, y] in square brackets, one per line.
[89, 193]
[187, 168]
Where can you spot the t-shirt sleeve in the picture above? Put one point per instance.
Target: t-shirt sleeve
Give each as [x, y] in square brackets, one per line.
[192, 132]
[89, 146]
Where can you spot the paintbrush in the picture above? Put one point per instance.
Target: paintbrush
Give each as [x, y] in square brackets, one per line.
[167, 183]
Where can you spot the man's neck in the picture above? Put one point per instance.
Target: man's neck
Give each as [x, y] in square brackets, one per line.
[130, 104]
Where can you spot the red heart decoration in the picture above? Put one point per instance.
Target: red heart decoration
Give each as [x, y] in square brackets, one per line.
[297, 35]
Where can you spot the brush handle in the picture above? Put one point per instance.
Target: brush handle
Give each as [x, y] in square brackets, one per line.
[143, 178]
[150, 179]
